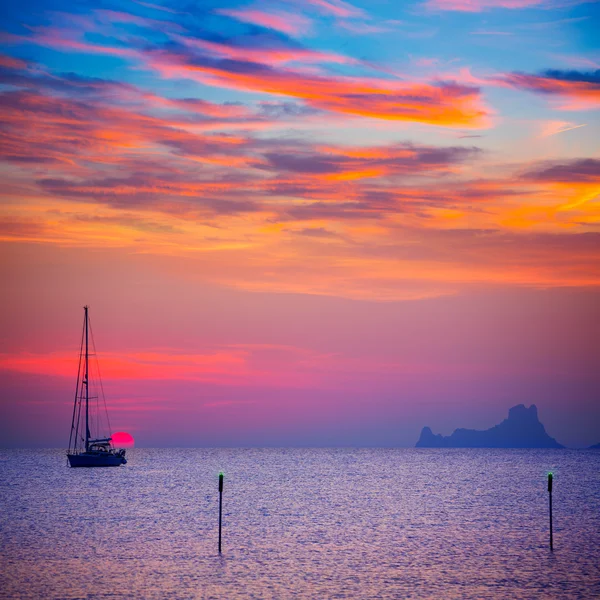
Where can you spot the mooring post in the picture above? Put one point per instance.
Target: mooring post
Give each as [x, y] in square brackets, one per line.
[550, 476]
[220, 507]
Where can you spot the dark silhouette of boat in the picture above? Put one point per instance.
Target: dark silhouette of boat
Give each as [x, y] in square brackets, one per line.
[85, 450]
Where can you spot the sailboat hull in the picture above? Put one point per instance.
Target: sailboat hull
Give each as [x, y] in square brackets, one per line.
[86, 459]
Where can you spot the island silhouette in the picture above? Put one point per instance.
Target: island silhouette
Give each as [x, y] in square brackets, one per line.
[522, 429]
[595, 447]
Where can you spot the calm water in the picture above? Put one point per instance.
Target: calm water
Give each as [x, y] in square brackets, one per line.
[301, 523]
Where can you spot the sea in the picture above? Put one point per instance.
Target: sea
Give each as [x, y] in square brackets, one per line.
[301, 523]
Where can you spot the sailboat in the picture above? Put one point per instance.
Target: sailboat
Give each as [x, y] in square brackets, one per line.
[86, 450]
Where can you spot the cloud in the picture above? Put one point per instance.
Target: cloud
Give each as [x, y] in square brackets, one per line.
[103, 149]
[315, 232]
[142, 190]
[9, 62]
[274, 52]
[18, 228]
[549, 128]
[158, 7]
[362, 28]
[135, 365]
[290, 23]
[160, 170]
[583, 88]
[114, 16]
[584, 170]
[342, 162]
[229, 365]
[481, 5]
[285, 109]
[88, 129]
[97, 146]
[337, 8]
[441, 103]
[274, 64]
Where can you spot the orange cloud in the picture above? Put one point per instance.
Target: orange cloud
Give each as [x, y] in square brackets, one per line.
[443, 104]
[99, 164]
[248, 365]
[147, 365]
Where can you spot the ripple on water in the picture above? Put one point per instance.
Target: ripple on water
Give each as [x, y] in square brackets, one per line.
[301, 523]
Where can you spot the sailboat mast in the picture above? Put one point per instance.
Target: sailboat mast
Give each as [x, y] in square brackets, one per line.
[87, 397]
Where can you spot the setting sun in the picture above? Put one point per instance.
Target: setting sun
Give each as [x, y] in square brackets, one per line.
[122, 439]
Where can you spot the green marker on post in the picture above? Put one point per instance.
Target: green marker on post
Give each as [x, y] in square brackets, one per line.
[550, 478]
[220, 506]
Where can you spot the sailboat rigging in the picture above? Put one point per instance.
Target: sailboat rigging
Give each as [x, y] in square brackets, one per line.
[85, 449]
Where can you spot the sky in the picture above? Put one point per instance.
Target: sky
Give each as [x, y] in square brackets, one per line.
[300, 223]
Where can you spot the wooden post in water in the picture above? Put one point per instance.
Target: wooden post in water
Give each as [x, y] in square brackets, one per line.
[550, 476]
[220, 507]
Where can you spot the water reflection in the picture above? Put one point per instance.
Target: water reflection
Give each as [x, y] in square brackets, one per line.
[302, 523]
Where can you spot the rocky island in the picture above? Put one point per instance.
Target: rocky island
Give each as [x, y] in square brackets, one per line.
[522, 429]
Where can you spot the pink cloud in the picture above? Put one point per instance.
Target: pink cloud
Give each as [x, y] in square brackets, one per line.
[54, 38]
[338, 8]
[481, 5]
[443, 104]
[266, 55]
[10, 62]
[292, 24]
[549, 128]
[581, 90]
[579, 62]
[113, 16]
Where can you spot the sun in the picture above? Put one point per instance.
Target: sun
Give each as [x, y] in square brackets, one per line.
[122, 439]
